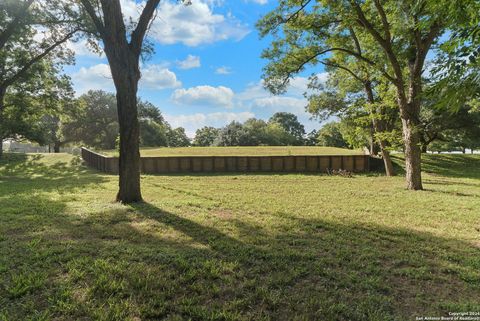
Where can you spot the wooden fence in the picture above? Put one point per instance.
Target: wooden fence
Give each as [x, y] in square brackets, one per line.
[210, 164]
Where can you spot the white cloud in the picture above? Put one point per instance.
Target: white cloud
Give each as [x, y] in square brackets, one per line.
[99, 77]
[204, 95]
[191, 25]
[93, 78]
[278, 103]
[189, 62]
[192, 122]
[258, 100]
[158, 77]
[80, 48]
[262, 2]
[224, 70]
[297, 87]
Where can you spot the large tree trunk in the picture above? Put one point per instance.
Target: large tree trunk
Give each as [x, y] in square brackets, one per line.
[56, 147]
[2, 104]
[374, 148]
[123, 55]
[411, 127]
[126, 74]
[413, 158]
[129, 166]
[378, 126]
[387, 160]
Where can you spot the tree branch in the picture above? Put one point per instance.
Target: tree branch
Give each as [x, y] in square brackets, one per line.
[386, 46]
[10, 29]
[335, 65]
[143, 22]
[93, 15]
[383, 16]
[37, 58]
[294, 14]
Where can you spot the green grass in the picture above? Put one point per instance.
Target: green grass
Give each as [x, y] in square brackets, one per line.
[243, 151]
[237, 247]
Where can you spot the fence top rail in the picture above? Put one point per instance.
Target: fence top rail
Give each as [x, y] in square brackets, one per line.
[237, 156]
[245, 156]
[97, 154]
[231, 156]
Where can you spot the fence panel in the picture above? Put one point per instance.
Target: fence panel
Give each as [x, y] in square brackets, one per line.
[220, 164]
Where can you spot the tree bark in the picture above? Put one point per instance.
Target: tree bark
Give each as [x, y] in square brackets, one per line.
[123, 57]
[56, 147]
[377, 127]
[413, 158]
[3, 92]
[126, 74]
[387, 160]
[129, 164]
[424, 148]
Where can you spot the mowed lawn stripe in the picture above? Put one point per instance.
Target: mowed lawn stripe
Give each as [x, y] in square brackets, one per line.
[243, 151]
[237, 247]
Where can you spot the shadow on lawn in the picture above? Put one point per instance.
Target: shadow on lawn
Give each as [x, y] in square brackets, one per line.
[320, 272]
[25, 173]
[114, 265]
[143, 262]
[447, 165]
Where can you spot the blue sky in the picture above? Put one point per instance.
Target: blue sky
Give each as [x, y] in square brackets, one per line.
[206, 69]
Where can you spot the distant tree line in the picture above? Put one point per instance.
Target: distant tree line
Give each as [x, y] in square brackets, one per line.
[281, 129]
[92, 120]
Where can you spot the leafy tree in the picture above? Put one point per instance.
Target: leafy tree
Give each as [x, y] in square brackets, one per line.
[231, 135]
[311, 139]
[255, 132]
[94, 122]
[147, 110]
[206, 136]
[290, 123]
[395, 39]
[278, 136]
[32, 39]
[153, 127]
[62, 109]
[177, 137]
[153, 134]
[123, 47]
[456, 71]
[331, 135]
[28, 103]
[454, 130]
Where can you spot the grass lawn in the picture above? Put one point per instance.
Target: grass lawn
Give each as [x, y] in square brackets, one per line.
[243, 151]
[237, 247]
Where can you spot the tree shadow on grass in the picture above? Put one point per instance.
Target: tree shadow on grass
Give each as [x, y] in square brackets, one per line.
[447, 165]
[461, 166]
[144, 262]
[25, 173]
[385, 274]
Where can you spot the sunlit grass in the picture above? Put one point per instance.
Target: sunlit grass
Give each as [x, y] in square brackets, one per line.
[237, 246]
[243, 151]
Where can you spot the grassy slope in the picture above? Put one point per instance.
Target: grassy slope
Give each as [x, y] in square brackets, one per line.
[244, 151]
[237, 247]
